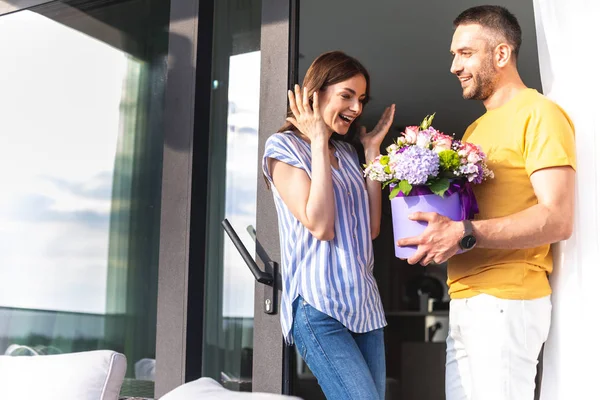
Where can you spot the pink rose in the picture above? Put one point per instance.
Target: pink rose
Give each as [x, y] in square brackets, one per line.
[471, 148]
[441, 143]
[410, 134]
[466, 149]
[470, 153]
[436, 135]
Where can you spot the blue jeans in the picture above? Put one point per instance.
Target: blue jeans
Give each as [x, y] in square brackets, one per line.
[347, 365]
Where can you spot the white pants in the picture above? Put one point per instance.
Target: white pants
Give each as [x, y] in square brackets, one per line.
[493, 346]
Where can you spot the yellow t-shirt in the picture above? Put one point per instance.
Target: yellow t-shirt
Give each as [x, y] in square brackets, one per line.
[526, 134]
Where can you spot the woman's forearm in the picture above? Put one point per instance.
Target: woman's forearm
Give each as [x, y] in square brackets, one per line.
[320, 207]
[374, 191]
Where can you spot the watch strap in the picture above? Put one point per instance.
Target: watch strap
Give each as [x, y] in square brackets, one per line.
[468, 227]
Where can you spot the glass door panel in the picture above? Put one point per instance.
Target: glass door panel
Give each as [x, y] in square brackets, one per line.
[229, 314]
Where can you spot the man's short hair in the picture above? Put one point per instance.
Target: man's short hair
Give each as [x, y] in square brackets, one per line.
[494, 18]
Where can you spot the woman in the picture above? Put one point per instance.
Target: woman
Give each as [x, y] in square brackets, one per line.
[328, 216]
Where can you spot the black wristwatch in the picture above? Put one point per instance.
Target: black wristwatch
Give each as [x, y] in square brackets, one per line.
[468, 241]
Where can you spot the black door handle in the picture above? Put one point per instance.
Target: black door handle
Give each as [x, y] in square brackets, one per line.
[261, 276]
[266, 278]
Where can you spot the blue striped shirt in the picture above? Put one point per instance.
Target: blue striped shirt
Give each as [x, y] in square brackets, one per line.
[335, 277]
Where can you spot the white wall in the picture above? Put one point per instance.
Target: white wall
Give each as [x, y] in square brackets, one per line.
[569, 68]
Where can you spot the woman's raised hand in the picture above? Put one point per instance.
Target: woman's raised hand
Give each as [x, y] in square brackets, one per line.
[374, 138]
[307, 119]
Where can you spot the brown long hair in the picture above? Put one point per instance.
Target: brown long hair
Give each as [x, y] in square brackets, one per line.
[326, 70]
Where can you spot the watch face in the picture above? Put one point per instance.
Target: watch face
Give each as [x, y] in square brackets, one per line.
[468, 242]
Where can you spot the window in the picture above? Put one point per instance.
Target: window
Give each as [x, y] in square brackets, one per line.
[80, 164]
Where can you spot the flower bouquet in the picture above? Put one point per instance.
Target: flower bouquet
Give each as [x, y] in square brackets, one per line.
[428, 171]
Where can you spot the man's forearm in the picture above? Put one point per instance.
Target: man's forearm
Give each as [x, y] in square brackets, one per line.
[535, 226]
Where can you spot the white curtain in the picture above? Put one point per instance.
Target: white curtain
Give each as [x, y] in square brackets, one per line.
[568, 35]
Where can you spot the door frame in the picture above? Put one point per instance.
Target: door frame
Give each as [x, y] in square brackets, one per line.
[279, 59]
[180, 311]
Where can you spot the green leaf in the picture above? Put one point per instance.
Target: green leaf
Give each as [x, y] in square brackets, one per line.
[426, 123]
[440, 186]
[394, 192]
[430, 120]
[402, 186]
[405, 187]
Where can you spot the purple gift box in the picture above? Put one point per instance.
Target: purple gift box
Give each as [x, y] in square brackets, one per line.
[457, 204]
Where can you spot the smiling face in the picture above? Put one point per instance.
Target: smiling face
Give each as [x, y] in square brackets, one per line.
[342, 102]
[473, 61]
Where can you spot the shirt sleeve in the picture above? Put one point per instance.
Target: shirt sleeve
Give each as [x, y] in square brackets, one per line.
[549, 139]
[281, 148]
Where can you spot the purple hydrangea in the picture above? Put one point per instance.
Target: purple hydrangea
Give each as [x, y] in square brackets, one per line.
[473, 172]
[479, 178]
[416, 165]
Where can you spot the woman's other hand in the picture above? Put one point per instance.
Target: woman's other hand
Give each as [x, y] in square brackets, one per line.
[372, 140]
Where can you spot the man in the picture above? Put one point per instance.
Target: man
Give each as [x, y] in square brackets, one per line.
[500, 307]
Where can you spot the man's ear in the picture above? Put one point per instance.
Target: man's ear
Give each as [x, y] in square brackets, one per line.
[503, 55]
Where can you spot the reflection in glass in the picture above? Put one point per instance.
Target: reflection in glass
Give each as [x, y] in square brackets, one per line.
[240, 186]
[80, 163]
[232, 336]
[229, 312]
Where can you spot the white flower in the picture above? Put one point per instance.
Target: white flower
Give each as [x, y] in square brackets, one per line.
[473, 158]
[424, 139]
[375, 171]
[392, 148]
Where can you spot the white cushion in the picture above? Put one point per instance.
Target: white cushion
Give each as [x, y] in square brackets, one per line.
[209, 389]
[93, 375]
[145, 369]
